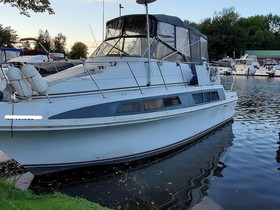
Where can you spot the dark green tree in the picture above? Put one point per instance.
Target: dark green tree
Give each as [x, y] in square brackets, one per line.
[274, 27]
[274, 23]
[78, 50]
[255, 32]
[229, 35]
[59, 43]
[8, 36]
[222, 33]
[45, 39]
[24, 6]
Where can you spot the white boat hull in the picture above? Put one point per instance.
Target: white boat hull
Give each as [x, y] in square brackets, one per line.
[225, 70]
[47, 151]
[244, 71]
[261, 72]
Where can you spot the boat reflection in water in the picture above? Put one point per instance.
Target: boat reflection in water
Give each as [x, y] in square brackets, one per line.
[177, 180]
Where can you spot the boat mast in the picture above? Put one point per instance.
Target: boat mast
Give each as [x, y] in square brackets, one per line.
[120, 8]
[103, 21]
[146, 2]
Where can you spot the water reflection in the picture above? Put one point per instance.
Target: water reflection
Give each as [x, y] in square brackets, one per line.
[277, 158]
[178, 181]
[220, 167]
[259, 100]
[258, 107]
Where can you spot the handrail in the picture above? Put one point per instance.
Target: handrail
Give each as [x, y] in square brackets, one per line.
[86, 70]
[130, 68]
[134, 77]
[162, 76]
[132, 73]
[178, 63]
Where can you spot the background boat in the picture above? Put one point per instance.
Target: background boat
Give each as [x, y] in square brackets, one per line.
[247, 65]
[267, 68]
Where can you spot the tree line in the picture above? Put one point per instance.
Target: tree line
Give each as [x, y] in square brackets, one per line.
[9, 38]
[58, 44]
[230, 35]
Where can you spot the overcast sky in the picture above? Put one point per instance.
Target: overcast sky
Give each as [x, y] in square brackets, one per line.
[74, 18]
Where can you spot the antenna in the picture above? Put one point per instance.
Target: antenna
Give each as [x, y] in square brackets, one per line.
[121, 7]
[93, 35]
[103, 23]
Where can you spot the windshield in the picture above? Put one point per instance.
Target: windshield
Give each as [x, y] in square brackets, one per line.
[244, 62]
[137, 47]
[127, 36]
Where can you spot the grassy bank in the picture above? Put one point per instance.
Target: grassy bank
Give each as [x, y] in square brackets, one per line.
[13, 198]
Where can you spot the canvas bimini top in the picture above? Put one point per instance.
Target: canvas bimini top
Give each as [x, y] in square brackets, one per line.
[7, 53]
[171, 39]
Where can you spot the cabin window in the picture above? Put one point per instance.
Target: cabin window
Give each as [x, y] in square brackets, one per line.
[153, 104]
[214, 96]
[161, 103]
[171, 101]
[129, 107]
[205, 97]
[198, 98]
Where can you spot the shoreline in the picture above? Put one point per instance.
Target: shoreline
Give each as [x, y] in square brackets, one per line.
[4, 157]
[13, 172]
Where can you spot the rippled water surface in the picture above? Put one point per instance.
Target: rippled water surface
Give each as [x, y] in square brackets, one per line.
[237, 167]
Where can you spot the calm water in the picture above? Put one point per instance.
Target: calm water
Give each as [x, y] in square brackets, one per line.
[237, 167]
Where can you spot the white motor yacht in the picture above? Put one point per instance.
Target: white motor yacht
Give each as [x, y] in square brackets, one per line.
[246, 65]
[144, 91]
[226, 66]
[267, 68]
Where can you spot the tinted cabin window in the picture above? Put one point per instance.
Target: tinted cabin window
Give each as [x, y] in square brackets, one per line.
[211, 96]
[214, 96]
[198, 98]
[153, 104]
[129, 107]
[171, 101]
[161, 103]
[148, 105]
[205, 97]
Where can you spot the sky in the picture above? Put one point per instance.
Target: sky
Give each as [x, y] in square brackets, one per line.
[82, 20]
